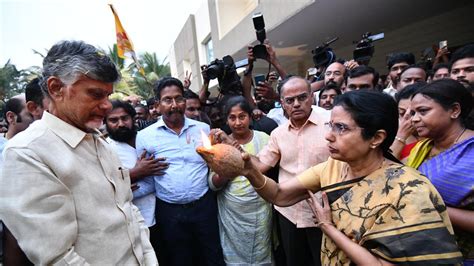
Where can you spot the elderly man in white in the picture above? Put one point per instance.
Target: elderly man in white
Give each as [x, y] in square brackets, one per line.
[63, 192]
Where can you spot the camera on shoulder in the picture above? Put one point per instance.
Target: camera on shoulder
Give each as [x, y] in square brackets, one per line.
[365, 48]
[323, 55]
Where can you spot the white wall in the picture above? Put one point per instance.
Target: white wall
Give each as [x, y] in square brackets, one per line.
[244, 32]
[203, 30]
[172, 61]
[231, 12]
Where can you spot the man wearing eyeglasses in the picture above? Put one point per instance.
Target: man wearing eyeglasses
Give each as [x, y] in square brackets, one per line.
[186, 210]
[298, 144]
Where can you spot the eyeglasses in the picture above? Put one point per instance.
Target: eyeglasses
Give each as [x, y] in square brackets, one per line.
[301, 98]
[178, 100]
[339, 128]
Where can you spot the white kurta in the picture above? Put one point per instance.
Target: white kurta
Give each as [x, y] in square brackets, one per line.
[66, 198]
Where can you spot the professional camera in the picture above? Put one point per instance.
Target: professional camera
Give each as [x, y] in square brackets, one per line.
[323, 56]
[225, 72]
[365, 48]
[259, 50]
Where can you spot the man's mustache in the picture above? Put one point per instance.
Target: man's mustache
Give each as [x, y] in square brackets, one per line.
[176, 112]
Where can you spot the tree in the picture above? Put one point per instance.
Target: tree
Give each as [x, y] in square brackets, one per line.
[13, 81]
[133, 82]
[154, 70]
[113, 54]
[8, 78]
[126, 86]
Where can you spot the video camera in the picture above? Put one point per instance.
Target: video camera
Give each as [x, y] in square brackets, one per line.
[225, 72]
[365, 48]
[259, 50]
[323, 55]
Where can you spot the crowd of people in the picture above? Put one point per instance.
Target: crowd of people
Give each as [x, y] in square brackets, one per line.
[341, 167]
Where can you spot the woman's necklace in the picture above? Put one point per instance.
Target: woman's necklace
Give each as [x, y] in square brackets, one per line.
[434, 151]
[459, 136]
[246, 140]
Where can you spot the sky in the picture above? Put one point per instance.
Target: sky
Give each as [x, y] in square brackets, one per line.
[152, 25]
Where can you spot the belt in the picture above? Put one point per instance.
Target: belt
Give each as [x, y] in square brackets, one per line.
[185, 205]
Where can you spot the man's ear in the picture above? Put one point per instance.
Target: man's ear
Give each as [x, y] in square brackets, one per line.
[11, 118]
[157, 105]
[55, 86]
[31, 107]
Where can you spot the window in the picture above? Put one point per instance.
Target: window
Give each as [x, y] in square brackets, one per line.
[209, 51]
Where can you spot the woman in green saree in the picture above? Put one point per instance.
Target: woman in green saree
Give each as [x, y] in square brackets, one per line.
[374, 210]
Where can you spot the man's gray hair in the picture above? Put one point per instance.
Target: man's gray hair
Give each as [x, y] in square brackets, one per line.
[69, 60]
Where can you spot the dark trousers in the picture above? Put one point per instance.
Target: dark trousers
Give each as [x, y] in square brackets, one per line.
[12, 253]
[188, 234]
[302, 246]
[154, 239]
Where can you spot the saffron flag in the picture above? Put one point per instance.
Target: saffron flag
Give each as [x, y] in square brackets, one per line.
[124, 44]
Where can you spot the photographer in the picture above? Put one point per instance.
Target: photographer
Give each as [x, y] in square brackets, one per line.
[265, 94]
[204, 92]
[271, 58]
[261, 88]
[226, 74]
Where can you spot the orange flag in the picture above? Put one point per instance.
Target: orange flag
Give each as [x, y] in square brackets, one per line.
[124, 44]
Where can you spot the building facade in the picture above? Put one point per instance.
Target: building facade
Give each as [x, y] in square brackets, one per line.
[295, 27]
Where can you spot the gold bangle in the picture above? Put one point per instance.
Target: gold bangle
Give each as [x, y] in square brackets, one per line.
[264, 184]
[404, 141]
[321, 223]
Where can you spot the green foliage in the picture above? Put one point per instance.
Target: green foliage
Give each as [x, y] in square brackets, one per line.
[13, 81]
[154, 70]
[125, 87]
[133, 82]
[113, 54]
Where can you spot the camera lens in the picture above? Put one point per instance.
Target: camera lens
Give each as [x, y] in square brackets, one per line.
[213, 71]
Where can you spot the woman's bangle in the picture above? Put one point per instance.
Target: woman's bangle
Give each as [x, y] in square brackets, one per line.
[404, 141]
[264, 184]
[321, 223]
